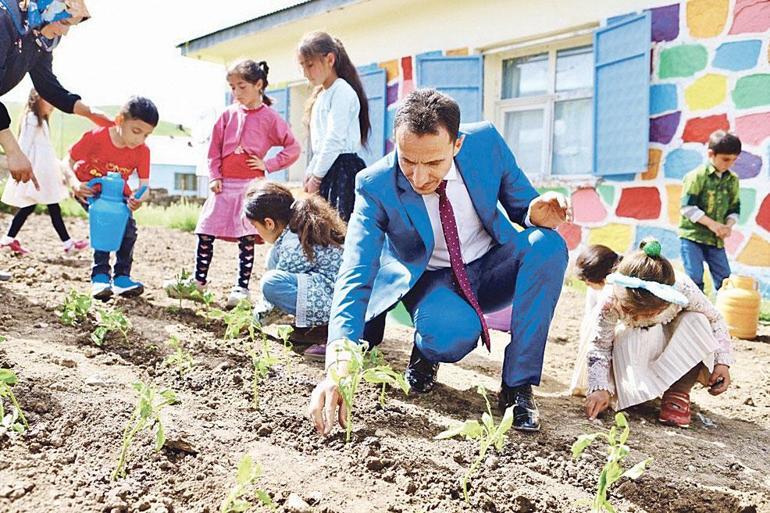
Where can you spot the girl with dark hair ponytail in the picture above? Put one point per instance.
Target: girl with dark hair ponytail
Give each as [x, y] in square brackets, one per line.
[239, 142]
[338, 120]
[302, 266]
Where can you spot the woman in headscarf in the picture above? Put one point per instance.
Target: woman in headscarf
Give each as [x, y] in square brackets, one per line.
[29, 31]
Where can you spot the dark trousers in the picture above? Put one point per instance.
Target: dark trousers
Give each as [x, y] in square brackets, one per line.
[54, 211]
[526, 273]
[124, 256]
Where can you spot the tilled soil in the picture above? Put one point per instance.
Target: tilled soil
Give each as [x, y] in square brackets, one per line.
[78, 399]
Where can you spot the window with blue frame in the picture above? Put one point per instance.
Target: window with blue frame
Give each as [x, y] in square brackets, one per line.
[545, 110]
[185, 182]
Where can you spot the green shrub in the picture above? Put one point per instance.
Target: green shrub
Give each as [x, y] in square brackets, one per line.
[182, 215]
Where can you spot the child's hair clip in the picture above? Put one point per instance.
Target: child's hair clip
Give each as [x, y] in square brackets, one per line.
[651, 247]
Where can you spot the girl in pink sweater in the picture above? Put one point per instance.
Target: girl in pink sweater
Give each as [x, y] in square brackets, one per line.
[241, 137]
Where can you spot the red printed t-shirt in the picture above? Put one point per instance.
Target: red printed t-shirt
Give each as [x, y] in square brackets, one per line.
[95, 155]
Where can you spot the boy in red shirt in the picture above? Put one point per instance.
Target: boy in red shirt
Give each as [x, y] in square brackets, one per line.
[119, 148]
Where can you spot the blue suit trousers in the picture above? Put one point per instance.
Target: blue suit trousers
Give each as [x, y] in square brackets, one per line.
[526, 273]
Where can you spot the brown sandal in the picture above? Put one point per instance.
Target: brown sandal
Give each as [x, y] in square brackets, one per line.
[675, 409]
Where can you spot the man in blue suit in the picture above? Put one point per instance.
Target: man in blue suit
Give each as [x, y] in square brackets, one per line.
[432, 227]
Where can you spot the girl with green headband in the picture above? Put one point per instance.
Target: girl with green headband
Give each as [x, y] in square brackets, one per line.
[654, 335]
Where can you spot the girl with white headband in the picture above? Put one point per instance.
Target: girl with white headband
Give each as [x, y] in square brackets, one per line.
[655, 334]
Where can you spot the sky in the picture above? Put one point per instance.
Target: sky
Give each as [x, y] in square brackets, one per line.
[129, 47]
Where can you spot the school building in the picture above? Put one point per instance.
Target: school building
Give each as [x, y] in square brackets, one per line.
[607, 101]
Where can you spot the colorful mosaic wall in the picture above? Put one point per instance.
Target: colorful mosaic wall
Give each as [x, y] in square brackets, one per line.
[710, 70]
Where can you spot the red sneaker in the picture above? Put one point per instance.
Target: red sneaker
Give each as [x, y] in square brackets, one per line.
[78, 245]
[675, 409]
[16, 247]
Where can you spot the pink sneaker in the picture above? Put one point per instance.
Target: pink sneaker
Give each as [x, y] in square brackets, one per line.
[78, 245]
[16, 247]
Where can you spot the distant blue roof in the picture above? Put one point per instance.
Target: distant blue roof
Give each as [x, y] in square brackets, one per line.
[268, 21]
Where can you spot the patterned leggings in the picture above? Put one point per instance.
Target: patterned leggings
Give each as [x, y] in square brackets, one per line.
[205, 251]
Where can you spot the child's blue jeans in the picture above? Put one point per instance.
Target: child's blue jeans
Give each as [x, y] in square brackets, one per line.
[694, 254]
[279, 288]
[124, 256]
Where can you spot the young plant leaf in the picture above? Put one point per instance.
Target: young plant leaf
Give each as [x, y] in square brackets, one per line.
[638, 469]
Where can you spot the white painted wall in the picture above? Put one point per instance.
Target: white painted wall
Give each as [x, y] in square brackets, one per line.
[380, 30]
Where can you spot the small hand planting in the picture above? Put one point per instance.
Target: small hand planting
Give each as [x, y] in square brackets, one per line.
[369, 366]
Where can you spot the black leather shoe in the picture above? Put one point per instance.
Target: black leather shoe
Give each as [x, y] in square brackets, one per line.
[421, 373]
[525, 414]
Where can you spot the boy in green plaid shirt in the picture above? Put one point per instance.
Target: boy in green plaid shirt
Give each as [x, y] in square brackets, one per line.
[710, 208]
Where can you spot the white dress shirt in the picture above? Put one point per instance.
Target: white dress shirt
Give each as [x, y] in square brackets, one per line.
[474, 239]
[334, 127]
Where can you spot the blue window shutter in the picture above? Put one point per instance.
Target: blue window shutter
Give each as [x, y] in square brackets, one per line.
[622, 95]
[461, 77]
[374, 80]
[280, 104]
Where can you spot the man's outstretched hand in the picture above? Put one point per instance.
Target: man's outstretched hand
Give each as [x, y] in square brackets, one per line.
[549, 210]
[326, 407]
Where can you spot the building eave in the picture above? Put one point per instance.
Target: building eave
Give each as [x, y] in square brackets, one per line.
[293, 13]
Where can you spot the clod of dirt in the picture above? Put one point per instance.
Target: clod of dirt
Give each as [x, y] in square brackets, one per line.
[295, 504]
[522, 504]
[180, 445]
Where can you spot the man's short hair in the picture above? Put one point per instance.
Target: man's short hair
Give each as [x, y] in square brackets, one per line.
[423, 111]
[724, 143]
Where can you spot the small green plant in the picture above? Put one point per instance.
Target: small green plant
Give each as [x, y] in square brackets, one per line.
[486, 433]
[75, 308]
[109, 321]
[184, 287]
[180, 358]
[369, 366]
[262, 361]
[236, 320]
[9, 422]
[256, 346]
[284, 333]
[617, 450]
[248, 472]
[146, 415]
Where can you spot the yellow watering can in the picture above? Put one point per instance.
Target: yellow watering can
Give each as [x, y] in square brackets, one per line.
[739, 301]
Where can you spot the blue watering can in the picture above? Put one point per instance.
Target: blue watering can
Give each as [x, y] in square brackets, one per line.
[108, 213]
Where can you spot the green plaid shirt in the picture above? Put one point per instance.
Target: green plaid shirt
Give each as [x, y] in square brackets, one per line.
[717, 196]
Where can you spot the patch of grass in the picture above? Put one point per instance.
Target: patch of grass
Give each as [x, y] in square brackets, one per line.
[179, 216]
[764, 311]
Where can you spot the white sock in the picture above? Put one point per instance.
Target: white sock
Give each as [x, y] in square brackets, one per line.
[68, 243]
[6, 240]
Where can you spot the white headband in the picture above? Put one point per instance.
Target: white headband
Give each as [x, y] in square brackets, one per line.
[661, 290]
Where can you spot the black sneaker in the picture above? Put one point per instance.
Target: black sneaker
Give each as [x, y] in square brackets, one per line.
[525, 414]
[421, 373]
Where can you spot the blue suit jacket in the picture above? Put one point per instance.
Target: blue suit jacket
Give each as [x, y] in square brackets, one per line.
[389, 240]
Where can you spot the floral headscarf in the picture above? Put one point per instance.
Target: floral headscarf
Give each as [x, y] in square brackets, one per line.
[43, 12]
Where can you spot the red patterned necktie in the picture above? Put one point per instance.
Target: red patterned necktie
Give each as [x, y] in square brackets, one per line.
[449, 227]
